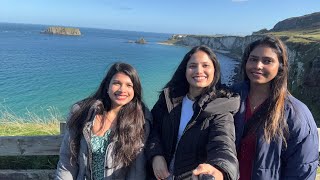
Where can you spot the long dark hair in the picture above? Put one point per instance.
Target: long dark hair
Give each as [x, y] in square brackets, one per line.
[129, 134]
[179, 82]
[275, 124]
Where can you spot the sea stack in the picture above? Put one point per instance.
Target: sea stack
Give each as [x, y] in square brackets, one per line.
[62, 31]
[141, 41]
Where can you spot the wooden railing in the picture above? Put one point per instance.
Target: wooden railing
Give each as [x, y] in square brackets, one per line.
[30, 146]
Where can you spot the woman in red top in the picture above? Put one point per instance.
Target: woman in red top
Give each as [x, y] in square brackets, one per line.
[276, 135]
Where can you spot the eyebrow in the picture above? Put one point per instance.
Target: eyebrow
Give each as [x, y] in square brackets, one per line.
[116, 80]
[264, 57]
[254, 56]
[199, 62]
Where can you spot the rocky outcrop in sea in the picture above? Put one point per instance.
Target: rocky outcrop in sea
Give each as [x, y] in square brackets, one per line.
[62, 31]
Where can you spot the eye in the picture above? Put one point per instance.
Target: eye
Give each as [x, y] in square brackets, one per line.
[252, 59]
[192, 66]
[267, 61]
[130, 85]
[206, 65]
[115, 83]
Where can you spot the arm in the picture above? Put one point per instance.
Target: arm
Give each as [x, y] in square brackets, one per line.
[64, 168]
[300, 158]
[221, 146]
[154, 146]
[154, 149]
[138, 168]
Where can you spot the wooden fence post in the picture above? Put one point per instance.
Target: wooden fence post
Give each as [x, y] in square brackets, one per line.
[62, 127]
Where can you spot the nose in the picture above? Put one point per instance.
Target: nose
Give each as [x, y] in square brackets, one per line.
[121, 88]
[199, 69]
[259, 64]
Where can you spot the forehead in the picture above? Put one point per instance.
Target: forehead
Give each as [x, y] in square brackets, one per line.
[264, 51]
[121, 77]
[200, 57]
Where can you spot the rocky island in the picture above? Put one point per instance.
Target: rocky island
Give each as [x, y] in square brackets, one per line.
[62, 31]
[139, 41]
[302, 37]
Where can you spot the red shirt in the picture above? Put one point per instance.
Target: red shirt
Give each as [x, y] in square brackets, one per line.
[247, 150]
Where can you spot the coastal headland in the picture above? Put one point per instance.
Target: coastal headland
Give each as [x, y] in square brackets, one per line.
[302, 37]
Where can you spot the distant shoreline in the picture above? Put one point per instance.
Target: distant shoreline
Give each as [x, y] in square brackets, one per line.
[167, 44]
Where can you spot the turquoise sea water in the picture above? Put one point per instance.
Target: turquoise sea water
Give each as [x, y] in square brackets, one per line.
[39, 71]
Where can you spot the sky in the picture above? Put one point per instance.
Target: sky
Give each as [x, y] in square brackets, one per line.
[206, 17]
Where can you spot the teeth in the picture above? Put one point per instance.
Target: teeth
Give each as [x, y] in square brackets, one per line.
[199, 78]
[121, 96]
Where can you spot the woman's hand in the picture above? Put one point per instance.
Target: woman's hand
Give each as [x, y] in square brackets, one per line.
[207, 169]
[160, 168]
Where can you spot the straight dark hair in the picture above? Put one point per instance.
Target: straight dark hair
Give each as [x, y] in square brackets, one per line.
[275, 124]
[128, 134]
[179, 83]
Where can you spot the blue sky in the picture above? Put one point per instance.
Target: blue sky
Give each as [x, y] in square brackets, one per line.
[235, 17]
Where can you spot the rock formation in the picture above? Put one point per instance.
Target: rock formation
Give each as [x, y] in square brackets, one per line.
[141, 41]
[63, 31]
[309, 21]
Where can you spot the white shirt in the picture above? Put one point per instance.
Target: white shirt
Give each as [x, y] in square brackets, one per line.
[186, 114]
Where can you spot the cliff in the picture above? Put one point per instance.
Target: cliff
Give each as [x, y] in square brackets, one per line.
[303, 50]
[309, 21]
[63, 31]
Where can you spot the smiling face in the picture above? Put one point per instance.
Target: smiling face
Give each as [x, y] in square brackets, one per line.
[199, 71]
[262, 65]
[120, 90]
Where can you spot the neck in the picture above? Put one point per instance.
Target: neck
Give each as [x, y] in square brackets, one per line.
[114, 109]
[193, 93]
[112, 114]
[259, 90]
[258, 94]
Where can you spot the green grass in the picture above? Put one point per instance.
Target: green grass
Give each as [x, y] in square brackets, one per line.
[28, 162]
[299, 36]
[29, 125]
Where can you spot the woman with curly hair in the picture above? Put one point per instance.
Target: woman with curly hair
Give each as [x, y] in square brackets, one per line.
[107, 131]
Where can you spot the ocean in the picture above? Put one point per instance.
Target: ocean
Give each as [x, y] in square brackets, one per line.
[41, 72]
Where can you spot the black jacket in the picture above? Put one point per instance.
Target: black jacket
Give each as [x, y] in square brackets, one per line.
[209, 137]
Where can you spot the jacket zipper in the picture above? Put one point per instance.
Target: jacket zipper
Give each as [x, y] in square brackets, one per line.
[187, 128]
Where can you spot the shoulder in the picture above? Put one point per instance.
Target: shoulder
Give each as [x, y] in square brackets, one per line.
[240, 87]
[147, 115]
[224, 104]
[75, 108]
[299, 118]
[83, 104]
[297, 111]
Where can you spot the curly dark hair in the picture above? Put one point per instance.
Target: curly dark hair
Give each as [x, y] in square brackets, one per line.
[129, 133]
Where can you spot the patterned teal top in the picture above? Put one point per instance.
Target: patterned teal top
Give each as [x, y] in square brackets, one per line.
[99, 146]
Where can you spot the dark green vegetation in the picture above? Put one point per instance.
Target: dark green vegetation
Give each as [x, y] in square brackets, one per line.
[29, 162]
[299, 36]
